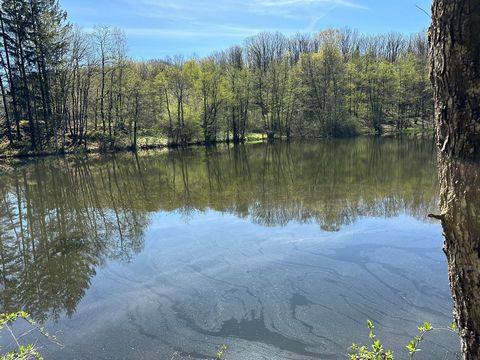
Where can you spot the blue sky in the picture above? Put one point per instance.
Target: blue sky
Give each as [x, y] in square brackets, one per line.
[160, 28]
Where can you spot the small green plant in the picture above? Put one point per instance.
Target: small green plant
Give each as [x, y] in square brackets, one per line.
[412, 346]
[22, 352]
[376, 350]
[219, 355]
[221, 351]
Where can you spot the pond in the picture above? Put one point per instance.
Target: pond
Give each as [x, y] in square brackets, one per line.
[280, 251]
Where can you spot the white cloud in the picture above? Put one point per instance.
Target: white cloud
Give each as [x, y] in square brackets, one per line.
[313, 24]
[217, 31]
[207, 20]
[297, 3]
[299, 9]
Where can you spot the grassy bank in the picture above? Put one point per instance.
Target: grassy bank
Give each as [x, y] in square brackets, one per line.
[155, 143]
[144, 143]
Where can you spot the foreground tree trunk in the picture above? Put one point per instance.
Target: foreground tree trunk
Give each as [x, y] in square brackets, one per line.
[455, 74]
[460, 206]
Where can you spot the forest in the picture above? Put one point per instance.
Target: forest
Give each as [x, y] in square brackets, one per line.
[65, 88]
[279, 248]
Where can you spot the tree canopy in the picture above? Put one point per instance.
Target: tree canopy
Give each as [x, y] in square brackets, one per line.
[64, 88]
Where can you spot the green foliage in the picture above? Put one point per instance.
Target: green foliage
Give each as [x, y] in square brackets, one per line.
[221, 351]
[82, 90]
[412, 346]
[22, 352]
[220, 354]
[347, 128]
[376, 350]
[453, 326]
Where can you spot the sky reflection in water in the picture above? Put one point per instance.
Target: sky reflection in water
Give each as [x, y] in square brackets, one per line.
[280, 251]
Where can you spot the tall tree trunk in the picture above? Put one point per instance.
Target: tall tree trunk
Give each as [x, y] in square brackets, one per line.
[170, 125]
[455, 74]
[8, 127]
[135, 120]
[40, 61]
[110, 108]
[460, 206]
[26, 93]
[10, 79]
[102, 95]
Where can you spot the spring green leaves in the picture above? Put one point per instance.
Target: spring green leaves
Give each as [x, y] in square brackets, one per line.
[412, 346]
[10, 318]
[221, 352]
[376, 350]
[453, 326]
[22, 352]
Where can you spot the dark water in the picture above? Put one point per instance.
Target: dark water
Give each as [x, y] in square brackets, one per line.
[279, 251]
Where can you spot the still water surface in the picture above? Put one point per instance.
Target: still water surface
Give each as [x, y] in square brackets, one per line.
[279, 251]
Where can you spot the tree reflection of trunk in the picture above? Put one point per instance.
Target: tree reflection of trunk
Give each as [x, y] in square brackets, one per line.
[460, 216]
[188, 206]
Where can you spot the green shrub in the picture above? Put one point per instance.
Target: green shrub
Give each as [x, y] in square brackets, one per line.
[346, 128]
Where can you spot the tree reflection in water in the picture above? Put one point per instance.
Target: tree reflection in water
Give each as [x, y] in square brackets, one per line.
[61, 219]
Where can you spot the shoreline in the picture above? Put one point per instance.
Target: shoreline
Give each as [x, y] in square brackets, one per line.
[30, 155]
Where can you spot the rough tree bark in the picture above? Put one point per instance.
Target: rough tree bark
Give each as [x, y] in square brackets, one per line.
[455, 74]
[460, 206]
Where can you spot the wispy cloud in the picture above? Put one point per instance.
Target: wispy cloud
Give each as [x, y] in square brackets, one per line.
[300, 9]
[217, 31]
[158, 27]
[194, 10]
[165, 5]
[313, 24]
[215, 24]
[166, 10]
[296, 3]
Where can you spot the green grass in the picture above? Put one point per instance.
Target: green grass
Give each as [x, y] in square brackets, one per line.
[152, 141]
[255, 137]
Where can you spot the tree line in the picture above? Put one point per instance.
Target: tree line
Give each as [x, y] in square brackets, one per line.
[63, 87]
